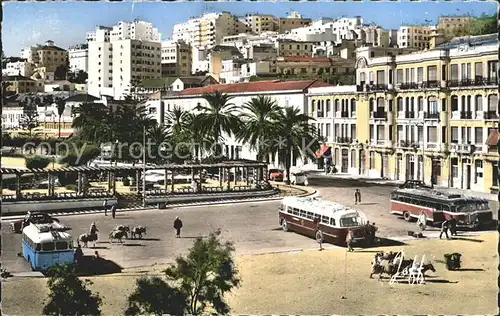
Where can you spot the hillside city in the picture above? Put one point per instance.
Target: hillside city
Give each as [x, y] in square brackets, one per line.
[414, 101]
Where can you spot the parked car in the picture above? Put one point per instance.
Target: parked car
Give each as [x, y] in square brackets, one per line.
[36, 218]
[275, 174]
[298, 178]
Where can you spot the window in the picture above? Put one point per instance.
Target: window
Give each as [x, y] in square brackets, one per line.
[492, 69]
[48, 246]
[493, 103]
[454, 72]
[61, 245]
[454, 134]
[433, 106]
[309, 215]
[372, 160]
[479, 103]
[400, 104]
[478, 70]
[478, 135]
[443, 72]
[380, 77]
[332, 221]
[420, 104]
[353, 158]
[432, 134]
[325, 219]
[495, 174]
[399, 76]
[420, 74]
[431, 73]
[454, 103]
[353, 107]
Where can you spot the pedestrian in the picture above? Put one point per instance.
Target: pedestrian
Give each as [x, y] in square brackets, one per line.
[373, 230]
[357, 196]
[453, 226]
[316, 223]
[178, 226]
[444, 229]
[105, 207]
[113, 210]
[349, 240]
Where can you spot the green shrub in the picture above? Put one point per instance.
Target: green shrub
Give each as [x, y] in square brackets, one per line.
[126, 182]
[37, 162]
[71, 187]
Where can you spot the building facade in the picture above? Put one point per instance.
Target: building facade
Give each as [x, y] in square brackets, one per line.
[429, 115]
[79, 58]
[176, 59]
[22, 68]
[415, 36]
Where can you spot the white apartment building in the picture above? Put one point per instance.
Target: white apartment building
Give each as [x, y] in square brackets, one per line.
[207, 30]
[199, 61]
[414, 36]
[292, 94]
[11, 115]
[30, 53]
[79, 58]
[22, 68]
[120, 56]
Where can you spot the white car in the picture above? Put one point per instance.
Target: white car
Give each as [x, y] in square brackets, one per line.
[298, 178]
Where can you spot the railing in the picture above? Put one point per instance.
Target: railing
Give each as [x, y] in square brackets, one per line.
[407, 86]
[376, 87]
[490, 115]
[478, 81]
[344, 114]
[430, 84]
[379, 115]
[466, 115]
[343, 140]
[431, 116]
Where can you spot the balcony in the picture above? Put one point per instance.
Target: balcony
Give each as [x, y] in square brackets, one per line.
[478, 81]
[463, 149]
[431, 116]
[490, 115]
[408, 86]
[430, 84]
[404, 144]
[465, 115]
[376, 87]
[344, 114]
[343, 140]
[379, 115]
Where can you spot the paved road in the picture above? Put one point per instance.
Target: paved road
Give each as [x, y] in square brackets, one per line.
[253, 227]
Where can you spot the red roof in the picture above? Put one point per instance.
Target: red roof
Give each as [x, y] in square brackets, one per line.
[257, 86]
[308, 59]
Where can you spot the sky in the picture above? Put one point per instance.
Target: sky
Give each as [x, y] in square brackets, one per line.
[66, 23]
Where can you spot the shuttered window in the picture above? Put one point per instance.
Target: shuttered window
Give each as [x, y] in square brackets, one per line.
[492, 103]
[454, 72]
[479, 103]
[478, 70]
[380, 77]
[432, 134]
[454, 134]
[399, 76]
[420, 74]
[432, 73]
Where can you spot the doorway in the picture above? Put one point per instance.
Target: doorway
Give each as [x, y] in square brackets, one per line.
[362, 162]
[345, 161]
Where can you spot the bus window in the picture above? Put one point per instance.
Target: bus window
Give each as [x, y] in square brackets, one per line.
[48, 246]
[61, 245]
[350, 221]
[302, 213]
[310, 215]
[38, 247]
[289, 209]
[295, 211]
[332, 221]
[325, 219]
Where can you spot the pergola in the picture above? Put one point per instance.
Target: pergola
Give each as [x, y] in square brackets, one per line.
[245, 167]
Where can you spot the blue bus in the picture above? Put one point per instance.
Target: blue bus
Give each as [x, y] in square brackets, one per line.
[44, 246]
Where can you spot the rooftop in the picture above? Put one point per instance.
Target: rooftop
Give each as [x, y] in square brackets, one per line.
[84, 97]
[320, 206]
[48, 47]
[440, 194]
[470, 40]
[259, 86]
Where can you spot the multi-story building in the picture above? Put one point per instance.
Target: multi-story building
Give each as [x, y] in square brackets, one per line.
[119, 58]
[430, 115]
[375, 35]
[50, 57]
[416, 36]
[79, 58]
[286, 47]
[292, 21]
[175, 58]
[22, 68]
[18, 84]
[207, 30]
[447, 25]
[314, 66]
[259, 23]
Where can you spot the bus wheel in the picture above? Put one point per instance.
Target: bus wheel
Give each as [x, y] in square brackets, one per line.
[407, 216]
[284, 225]
[319, 236]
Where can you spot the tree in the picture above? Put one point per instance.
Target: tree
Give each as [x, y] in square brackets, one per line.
[79, 77]
[79, 154]
[37, 162]
[29, 119]
[259, 116]
[90, 122]
[205, 275]
[61, 106]
[296, 137]
[175, 119]
[154, 296]
[61, 72]
[218, 117]
[69, 295]
[159, 136]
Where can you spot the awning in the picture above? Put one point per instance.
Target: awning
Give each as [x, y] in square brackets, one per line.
[64, 134]
[320, 153]
[493, 138]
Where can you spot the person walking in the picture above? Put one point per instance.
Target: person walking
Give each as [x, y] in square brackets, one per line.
[373, 231]
[105, 207]
[444, 229]
[453, 226]
[178, 226]
[349, 240]
[316, 223]
[357, 196]
[113, 211]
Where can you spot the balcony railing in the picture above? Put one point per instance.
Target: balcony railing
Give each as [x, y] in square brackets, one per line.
[407, 86]
[430, 84]
[379, 115]
[404, 144]
[409, 114]
[320, 114]
[376, 87]
[478, 81]
[344, 114]
[431, 116]
[343, 140]
[466, 115]
[490, 115]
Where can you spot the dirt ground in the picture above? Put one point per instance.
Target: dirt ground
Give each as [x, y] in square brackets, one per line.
[313, 282]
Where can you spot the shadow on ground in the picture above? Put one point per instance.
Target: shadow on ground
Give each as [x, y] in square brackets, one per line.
[89, 266]
[386, 242]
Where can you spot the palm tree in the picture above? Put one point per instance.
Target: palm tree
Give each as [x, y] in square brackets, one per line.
[175, 119]
[260, 117]
[218, 117]
[158, 134]
[61, 106]
[296, 137]
[90, 121]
